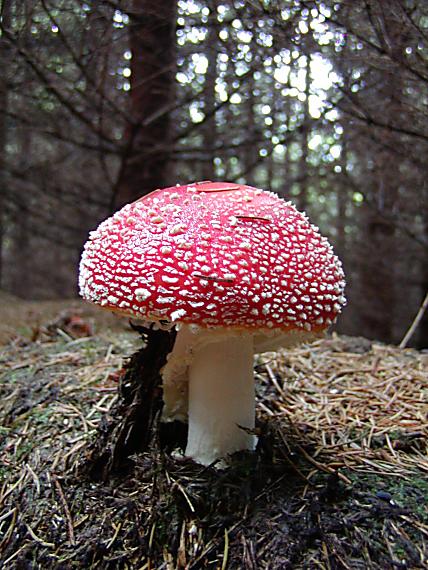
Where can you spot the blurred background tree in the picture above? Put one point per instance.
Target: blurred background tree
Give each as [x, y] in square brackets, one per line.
[325, 103]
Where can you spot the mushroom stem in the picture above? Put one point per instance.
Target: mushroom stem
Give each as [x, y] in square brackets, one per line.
[221, 397]
[175, 377]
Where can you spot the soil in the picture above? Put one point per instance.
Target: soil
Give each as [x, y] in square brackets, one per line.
[338, 481]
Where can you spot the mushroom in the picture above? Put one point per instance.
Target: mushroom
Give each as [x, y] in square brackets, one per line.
[237, 270]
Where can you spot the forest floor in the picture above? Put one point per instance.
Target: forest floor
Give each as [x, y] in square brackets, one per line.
[339, 479]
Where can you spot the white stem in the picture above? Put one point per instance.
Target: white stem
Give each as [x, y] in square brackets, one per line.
[175, 377]
[221, 398]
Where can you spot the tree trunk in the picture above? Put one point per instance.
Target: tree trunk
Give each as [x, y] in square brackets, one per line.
[379, 270]
[152, 43]
[210, 125]
[26, 264]
[270, 161]
[342, 198]
[304, 175]
[250, 155]
[287, 171]
[4, 102]
[422, 337]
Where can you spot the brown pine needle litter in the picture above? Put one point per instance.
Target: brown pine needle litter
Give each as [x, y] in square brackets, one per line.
[361, 411]
[339, 479]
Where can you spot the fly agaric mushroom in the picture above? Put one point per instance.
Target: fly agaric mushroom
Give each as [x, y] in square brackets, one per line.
[237, 270]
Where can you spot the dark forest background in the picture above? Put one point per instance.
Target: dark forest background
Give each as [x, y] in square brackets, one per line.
[325, 103]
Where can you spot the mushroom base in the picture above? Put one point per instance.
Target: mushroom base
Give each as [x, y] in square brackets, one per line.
[221, 398]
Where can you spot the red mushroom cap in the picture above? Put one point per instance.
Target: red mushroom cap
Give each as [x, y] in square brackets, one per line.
[214, 254]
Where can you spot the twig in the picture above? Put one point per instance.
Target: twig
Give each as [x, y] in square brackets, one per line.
[67, 513]
[38, 539]
[415, 323]
[8, 534]
[226, 550]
